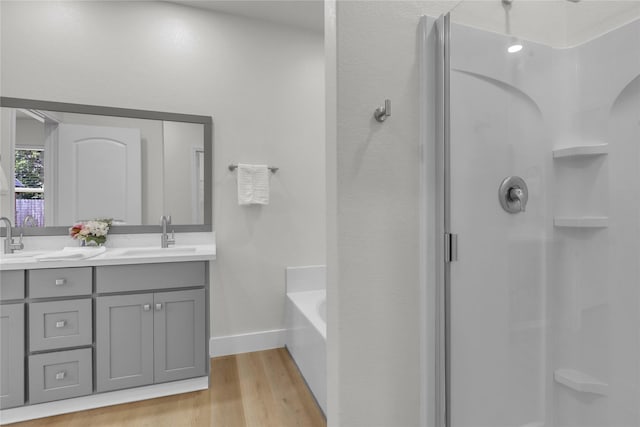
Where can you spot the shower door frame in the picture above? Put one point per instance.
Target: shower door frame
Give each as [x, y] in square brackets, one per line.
[445, 252]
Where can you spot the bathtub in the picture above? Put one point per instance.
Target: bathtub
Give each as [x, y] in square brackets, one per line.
[306, 337]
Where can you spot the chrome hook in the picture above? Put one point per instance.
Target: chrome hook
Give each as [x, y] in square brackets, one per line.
[383, 112]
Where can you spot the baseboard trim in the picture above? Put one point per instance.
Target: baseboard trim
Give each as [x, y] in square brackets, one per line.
[99, 400]
[246, 343]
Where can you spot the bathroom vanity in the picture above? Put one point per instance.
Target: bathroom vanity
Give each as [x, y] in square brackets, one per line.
[129, 324]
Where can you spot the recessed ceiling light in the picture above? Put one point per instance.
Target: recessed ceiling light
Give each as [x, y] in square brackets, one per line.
[514, 48]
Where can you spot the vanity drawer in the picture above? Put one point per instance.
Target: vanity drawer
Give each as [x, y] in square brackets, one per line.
[11, 284]
[60, 324]
[60, 375]
[59, 282]
[142, 277]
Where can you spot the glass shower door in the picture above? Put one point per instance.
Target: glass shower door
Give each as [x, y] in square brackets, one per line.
[543, 300]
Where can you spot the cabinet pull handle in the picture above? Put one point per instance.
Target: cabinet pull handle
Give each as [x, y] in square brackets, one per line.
[61, 323]
[158, 306]
[146, 307]
[60, 375]
[60, 282]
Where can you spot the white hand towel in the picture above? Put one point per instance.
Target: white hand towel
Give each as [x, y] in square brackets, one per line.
[253, 184]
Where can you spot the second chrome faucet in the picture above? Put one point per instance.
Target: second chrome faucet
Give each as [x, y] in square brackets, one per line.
[165, 240]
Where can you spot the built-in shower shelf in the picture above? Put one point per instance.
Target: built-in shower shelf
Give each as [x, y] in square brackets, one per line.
[581, 151]
[581, 221]
[579, 381]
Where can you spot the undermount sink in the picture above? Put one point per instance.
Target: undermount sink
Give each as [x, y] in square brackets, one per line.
[157, 251]
[19, 255]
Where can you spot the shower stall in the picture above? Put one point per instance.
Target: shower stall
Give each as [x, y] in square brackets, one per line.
[536, 159]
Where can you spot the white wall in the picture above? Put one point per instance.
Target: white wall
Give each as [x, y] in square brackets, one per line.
[262, 84]
[373, 270]
[29, 133]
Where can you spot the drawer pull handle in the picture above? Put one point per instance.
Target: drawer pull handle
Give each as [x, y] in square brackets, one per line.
[61, 323]
[60, 375]
[146, 307]
[60, 282]
[158, 306]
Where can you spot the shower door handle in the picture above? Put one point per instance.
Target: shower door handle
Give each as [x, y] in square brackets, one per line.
[450, 247]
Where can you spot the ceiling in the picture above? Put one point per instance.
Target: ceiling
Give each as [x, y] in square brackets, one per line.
[306, 14]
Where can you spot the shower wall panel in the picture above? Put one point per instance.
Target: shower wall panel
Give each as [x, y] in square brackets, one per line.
[545, 304]
[499, 103]
[594, 287]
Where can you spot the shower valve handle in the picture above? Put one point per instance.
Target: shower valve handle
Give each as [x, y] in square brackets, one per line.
[513, 194]
[516, 195]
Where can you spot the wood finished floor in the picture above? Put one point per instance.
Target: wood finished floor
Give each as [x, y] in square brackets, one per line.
[261, 389]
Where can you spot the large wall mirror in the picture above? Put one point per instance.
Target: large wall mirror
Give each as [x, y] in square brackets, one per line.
[63, 163]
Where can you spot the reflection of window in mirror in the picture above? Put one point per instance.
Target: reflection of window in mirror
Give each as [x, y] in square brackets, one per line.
[29, 186]
[29, 169]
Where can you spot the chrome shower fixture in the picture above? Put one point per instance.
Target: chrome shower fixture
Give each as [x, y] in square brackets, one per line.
[513, 194]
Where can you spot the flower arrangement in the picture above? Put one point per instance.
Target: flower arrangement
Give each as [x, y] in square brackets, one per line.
[92, 232]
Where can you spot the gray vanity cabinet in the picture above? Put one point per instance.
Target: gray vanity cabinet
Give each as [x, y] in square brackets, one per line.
[124, 341]
[150, 338]
[179, 325]
[70, 332]
[11, 355]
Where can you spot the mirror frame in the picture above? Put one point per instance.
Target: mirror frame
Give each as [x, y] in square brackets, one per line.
[63, 107]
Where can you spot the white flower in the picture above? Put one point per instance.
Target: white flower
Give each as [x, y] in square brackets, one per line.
[95, 228]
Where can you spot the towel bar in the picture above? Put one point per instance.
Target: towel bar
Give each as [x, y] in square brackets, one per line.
[273, 169]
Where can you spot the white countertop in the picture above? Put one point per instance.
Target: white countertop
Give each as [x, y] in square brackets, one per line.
[122, 250]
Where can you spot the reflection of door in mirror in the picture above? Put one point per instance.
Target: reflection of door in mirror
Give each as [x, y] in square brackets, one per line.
[98, 174]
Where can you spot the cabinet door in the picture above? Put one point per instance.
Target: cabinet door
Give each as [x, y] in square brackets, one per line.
[124, 341]
[11, 355]
[179, 335]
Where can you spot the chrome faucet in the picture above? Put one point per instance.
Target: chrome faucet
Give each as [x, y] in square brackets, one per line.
[29, 221]
[165, 241]
[9, 245]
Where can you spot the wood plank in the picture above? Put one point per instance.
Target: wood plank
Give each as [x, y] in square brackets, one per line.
[257, 397]
[296, 404]
[260, 389]
[226, 398]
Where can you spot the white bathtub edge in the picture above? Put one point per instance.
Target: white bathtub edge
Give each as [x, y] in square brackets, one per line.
[306, 341]
[305, 278]
[306, 302]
